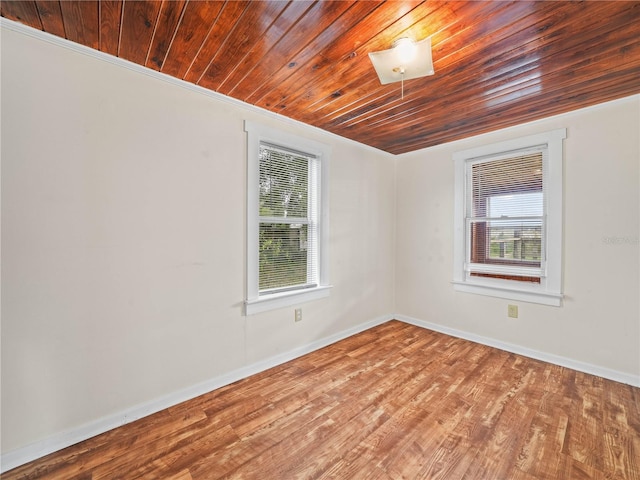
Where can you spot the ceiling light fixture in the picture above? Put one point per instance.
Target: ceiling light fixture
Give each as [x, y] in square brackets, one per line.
[406, 60]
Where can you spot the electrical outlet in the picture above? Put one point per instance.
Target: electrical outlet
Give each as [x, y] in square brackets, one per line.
[298, 314]
[512, 311]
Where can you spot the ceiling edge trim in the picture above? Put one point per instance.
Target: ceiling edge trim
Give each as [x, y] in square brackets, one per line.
[105, 57]
[634, 97]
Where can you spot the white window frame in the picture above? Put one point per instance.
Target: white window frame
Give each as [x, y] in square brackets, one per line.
[549, 290]
[257, 302]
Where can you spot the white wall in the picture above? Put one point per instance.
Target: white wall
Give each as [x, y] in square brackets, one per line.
[599, 323]
[123, 209]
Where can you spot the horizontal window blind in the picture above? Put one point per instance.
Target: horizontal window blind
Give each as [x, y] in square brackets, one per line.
[288, 232]
[505, 215]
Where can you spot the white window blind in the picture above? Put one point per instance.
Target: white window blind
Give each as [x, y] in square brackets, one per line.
[288, 220]
[505, 219]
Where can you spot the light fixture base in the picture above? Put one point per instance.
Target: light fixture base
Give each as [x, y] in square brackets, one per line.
[390, 68]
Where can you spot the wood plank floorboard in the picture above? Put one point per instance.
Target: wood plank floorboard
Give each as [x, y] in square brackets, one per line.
[393, 402]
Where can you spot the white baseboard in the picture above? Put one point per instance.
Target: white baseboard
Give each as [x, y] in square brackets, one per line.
[65, 439]
[599, 371]
[70, 437]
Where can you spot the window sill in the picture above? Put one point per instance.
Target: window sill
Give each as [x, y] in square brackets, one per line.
[284, 299]
[510, 293]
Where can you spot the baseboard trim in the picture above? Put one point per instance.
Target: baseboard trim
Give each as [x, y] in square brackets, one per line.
[57, 442]
[65, 439]
[599, 371]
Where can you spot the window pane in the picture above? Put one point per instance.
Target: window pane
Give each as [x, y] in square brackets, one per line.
[519, 241]
[518, 205]
[283, 255]
[284, 181]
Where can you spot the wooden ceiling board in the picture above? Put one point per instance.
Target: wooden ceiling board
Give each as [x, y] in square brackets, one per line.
[227, 19]
[277, 83]
[254, 70]
[169, 18]
[139, 21]
[23, 12]
[248, 66]
[248, 31]
[294, 47]
[81, 22]
[197, 21]
[110, 20]
[497, 64]
[51, 17]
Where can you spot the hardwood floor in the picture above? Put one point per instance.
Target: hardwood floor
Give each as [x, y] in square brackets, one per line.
[394, 402]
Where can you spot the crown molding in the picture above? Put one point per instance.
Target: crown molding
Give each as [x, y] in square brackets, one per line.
[134, 67]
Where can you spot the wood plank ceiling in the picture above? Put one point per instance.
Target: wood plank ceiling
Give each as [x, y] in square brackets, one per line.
[497, 63]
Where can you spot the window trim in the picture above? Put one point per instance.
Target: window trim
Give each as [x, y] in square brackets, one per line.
[549, 290]
[254, 301]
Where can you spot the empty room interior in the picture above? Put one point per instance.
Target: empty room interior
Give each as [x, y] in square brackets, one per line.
[331, 239]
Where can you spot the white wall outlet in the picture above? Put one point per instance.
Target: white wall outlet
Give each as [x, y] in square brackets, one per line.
[512, 311]
[298, 314]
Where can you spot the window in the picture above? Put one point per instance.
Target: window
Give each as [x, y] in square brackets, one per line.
[508, 227]
[287, 219]
[504, 216]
